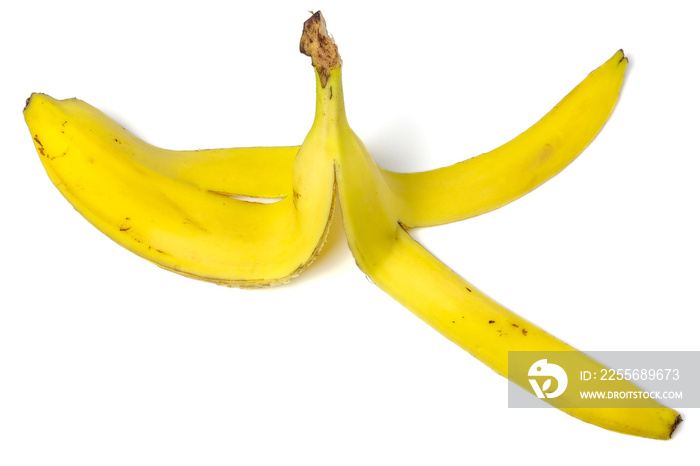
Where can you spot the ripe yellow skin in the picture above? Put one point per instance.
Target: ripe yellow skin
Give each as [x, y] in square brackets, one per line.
[402, 268]
[177, 210]
[127, 189]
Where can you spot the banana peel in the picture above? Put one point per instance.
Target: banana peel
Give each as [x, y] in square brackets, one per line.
[254, 217]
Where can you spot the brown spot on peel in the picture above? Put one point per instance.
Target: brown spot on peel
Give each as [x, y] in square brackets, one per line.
[40, 149]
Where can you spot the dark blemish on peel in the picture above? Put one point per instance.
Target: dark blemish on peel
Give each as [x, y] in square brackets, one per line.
[491, 321]
[467, 288]
[40, 148]
[126, 225]
[331, 96]
[524, 332]
[151, 248]
[515, 325]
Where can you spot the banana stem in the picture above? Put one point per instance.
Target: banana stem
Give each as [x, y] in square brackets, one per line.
[319, 45]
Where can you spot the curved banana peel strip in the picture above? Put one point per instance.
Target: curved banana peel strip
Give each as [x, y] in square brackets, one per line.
[181, 211]
[126, 189]
[407, 272]
[491, 180]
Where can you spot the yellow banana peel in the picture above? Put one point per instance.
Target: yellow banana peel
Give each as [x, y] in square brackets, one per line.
[253, 217]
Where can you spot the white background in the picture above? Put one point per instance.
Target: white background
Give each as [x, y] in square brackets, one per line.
[105, 359]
